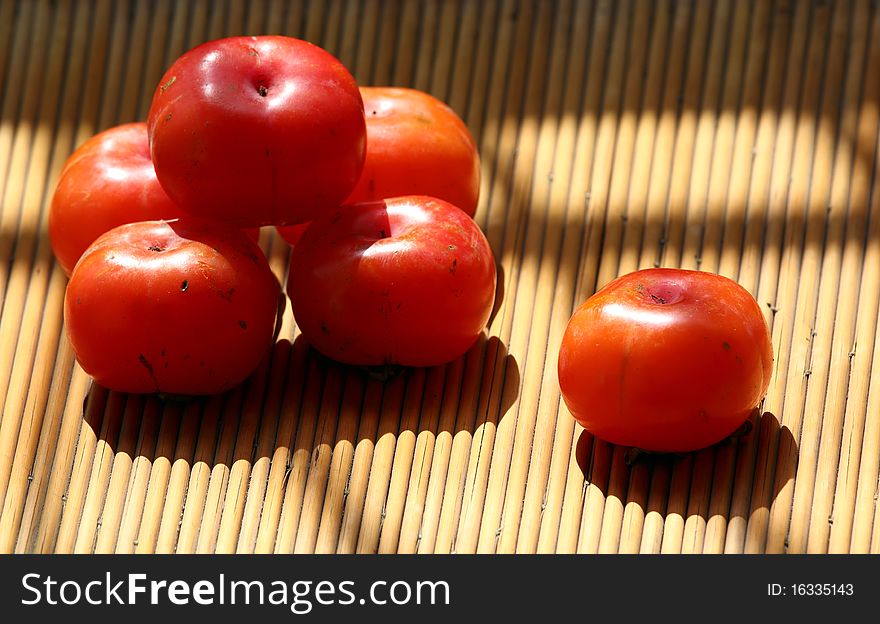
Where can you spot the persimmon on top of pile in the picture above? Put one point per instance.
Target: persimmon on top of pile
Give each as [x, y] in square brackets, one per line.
[257, 131]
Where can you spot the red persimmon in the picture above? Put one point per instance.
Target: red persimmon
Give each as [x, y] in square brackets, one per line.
[416, 145]
[108, 181]
[665, 360]
[257, 131]
[184, 307]
[405, 281]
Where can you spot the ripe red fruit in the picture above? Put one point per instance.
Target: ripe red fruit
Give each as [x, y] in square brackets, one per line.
[665, 360]
[257, 131]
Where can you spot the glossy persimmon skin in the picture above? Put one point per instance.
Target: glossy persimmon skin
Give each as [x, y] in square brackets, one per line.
[665, 360]
[186, 307]
[257, 131]
[107, 181]
[416, 145]
[407, 281]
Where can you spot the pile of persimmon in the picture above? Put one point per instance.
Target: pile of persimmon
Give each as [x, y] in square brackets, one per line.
[157, 223]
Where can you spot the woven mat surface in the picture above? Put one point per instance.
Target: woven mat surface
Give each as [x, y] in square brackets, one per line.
[735, 137]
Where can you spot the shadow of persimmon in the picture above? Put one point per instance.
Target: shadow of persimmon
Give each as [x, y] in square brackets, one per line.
[750, 469]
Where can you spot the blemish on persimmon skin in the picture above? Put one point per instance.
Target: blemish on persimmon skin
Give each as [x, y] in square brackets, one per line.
[657, 299]
[660, 294]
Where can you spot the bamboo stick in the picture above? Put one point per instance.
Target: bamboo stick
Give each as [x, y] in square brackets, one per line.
[544, 495]
[601, 182]
[349, 33]
[698, 502]
[41, 318]
[255, 18]
[18, 224]
[197, 26]
[655, 137]
[857, 471]
[426, 45]
[235, 18]
[443, 498]
[808, 222]
[223, 455]
[73, 497]
[420, 472]
[216, 26]
[318, 468]
[136, 60]
[294, 19]
[483, 117]
[597, 474]
[7, 14]
[864, 539]
[686, 41]
[241, 460]
[95, 493]
[440, 454]
[652, 528]
[439, 71]
[119, 61]
[120, 472]
[753, 203]
[725, 216]
[367, 40]
[401, 464]
[358, 485]
[634, 510]
[342, 460]
[543, 237]
[330, 37]
[472, 103]
[314, 23]
[770, 243]
[160, 472]
[384, 55]
[570, 489]
[370, 499]
[265, 444]
[199, 476]
[138, 466]
[275, 16]
[175, 492]
[612, 510]
[288, 420]
[676, 505]
[57, 438]
[300, 456]
[19, 58]
[493, 442]
[836, 310]
[734, 134]
[690, 175]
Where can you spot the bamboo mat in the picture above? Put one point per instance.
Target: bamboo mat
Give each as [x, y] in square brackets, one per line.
[735, 137]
